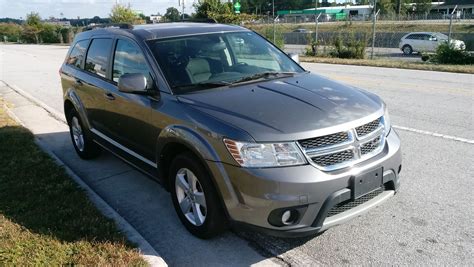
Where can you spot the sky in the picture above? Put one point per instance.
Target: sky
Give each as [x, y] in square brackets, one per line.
[83, 8]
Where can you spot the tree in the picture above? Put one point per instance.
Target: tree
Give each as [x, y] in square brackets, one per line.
[221, 12]
[33, 27]
[33, 19]
[387, 7]
[123, 14]
[422, 6]
[172, 14]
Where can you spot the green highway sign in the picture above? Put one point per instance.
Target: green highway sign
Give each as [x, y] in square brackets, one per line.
[237, 7]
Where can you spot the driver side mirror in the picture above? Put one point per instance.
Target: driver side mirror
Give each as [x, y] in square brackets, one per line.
[133, 83]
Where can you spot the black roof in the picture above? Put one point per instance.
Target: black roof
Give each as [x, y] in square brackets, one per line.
[164, 30]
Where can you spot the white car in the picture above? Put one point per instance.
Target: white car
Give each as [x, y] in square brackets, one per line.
[426, 42]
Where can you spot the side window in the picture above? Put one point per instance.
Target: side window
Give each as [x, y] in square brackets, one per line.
[425, 37]
[76, 56]
[129, 58]
[97, 56]
[415, 37]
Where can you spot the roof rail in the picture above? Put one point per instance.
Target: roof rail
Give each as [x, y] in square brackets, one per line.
[204, 20]
[108, 25]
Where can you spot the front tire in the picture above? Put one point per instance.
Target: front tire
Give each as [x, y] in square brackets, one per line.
[407, 50]
[81, 139]
[194, 197]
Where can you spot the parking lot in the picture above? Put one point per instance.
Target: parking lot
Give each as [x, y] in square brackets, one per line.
[429, 222]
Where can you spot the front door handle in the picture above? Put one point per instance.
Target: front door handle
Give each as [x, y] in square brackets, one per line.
[109, 96]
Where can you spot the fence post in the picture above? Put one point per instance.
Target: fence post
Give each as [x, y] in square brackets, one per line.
[373, 28]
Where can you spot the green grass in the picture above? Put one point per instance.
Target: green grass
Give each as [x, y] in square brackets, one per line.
[45, 218]
[392, 64]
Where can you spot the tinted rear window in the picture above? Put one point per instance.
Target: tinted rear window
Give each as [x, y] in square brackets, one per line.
[76, 56]
[98, 56]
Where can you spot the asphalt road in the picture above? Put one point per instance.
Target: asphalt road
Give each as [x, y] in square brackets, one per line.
[429, 222]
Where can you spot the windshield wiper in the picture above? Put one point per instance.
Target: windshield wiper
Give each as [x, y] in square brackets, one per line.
[202, 85]
[264, 75]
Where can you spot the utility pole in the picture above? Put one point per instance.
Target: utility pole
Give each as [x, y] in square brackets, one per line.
[181, 3]
[451, 24]
[273, 17]
[315, 17]
[373, 28]
[399, 9]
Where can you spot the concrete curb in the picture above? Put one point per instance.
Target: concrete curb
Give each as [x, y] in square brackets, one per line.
[55, 114]
[147, 251]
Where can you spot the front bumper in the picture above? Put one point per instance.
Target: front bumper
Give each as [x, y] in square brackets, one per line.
[250, 195]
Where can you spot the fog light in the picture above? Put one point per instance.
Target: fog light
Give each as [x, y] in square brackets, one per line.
[289, 217]
[286, 216]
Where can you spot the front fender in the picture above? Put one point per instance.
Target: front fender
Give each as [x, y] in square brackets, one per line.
[195, 142]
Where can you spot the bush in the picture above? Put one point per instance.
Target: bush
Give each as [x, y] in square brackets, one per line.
[352, 48]
[425, 57]
[11, 31]
[447, 54]
[50, 34]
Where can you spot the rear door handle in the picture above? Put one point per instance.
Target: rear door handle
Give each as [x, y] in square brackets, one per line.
[78, 82]
[109, 96]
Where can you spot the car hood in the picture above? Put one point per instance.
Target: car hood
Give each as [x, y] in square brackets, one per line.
[294, 108]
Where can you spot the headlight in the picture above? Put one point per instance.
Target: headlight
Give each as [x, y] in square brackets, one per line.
[265, 154]
[386, 121]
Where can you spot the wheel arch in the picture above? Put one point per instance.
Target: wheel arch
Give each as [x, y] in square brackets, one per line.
[175, 140]
[72, 100]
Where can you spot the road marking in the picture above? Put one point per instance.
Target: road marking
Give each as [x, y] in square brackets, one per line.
[444, 136]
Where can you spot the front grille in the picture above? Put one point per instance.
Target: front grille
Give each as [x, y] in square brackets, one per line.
[370, 146]
[343, 149]
[323, 141]
[347, 205]
[368, 128]
[334, 158]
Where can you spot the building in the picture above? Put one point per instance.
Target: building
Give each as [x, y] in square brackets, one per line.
[329, 13]
[155, 18]
[62, 23]
[464, 7]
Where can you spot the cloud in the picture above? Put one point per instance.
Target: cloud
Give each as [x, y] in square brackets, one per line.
[83, 8]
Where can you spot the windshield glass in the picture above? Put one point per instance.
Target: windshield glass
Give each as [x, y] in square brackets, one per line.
[200, 62]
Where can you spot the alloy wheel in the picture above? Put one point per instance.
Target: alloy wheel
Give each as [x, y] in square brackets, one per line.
[77, 134]
[190, 196]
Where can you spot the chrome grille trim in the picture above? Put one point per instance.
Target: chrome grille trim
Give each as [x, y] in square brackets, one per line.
[335, 156]
[325, 140]
[368, 127]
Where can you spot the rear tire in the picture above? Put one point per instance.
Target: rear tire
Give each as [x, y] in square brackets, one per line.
[407, 50]
[195, 198]
[80, 137]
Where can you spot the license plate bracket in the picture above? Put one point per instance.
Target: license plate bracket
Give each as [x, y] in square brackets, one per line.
[365, 183]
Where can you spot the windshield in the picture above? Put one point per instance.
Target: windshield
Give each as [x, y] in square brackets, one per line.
[200, 62]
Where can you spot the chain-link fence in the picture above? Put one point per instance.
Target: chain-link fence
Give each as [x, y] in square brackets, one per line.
[303, 34]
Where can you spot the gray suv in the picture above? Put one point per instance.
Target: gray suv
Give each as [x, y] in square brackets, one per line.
[239, 133]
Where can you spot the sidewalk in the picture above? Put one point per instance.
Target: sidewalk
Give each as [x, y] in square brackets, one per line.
[137, 199]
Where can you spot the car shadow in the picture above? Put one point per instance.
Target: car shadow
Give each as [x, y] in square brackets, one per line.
[147, 206]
